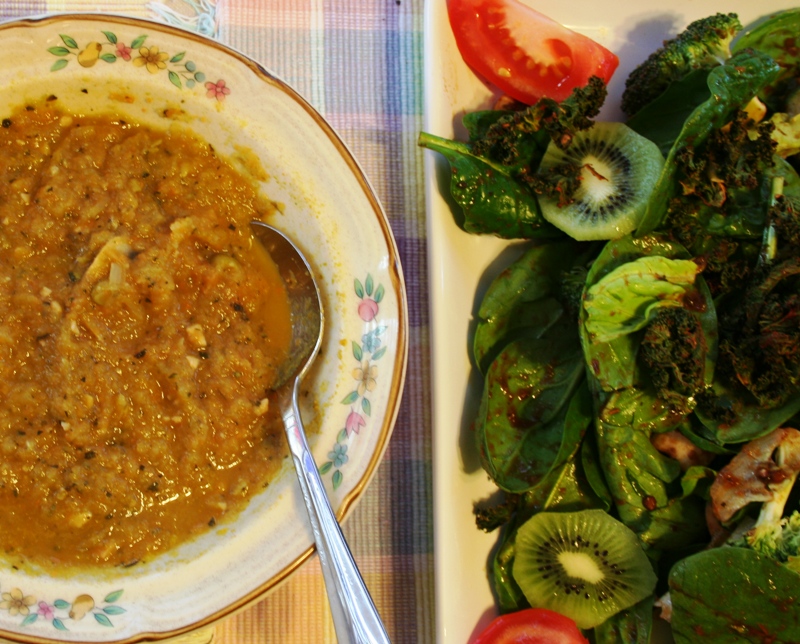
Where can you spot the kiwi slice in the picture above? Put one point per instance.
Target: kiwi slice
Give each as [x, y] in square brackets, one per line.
[619, 169]
[585, 565]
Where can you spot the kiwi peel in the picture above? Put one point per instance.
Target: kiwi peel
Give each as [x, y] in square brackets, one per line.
[615, 170]
[585, 565]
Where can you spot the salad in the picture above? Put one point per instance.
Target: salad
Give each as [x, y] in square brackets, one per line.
[607, 362]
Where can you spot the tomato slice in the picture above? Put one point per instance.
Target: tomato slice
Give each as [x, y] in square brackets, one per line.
[532, 626]
[523, 52]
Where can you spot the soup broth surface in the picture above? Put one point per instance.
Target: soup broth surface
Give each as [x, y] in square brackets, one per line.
[141, 328]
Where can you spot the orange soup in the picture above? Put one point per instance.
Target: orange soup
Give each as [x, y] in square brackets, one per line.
[141, 328]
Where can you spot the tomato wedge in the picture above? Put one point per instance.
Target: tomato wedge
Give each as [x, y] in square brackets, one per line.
[523, 52]
[532, 626]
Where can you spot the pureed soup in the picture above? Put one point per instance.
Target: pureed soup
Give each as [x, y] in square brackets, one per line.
[140, 332]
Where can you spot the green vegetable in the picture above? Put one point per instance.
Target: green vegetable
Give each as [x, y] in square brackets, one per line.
[776, 37]
[704, 44]
[531, 417]
[526, 298]
[493, 201]
[490, 174]
[733, 595]
[627, 299]
[732, 85]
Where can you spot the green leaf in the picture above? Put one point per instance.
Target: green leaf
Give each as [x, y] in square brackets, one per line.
[775, 36]
[337, 479]
[697, 480]
[733, 415]
[379, 293]
[325, 467]
[69, 41]
[527, 416]
[590, 464]
[730, 595]
[103, 620]
[59, 625]
[109, 58]
[368, 286]
[632, 626]
[177, 57]
[520, 300]
[175, 79]
[61, 604]
[30, 619]
[662, 120]
[359, 289]
[138, 42]
[477, 123]
[113, 596]
[58, 51]
[639, 477]
[366, 406]
[350, 398]
[732, 85]
[59, 64]
[341, 436]
[358, 353]
[112, 38]
[114, 610]
[509, 595]
[379, 353]
[492, 201]
[613, 364]
[626, 299]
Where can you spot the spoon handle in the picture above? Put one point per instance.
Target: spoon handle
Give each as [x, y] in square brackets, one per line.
[355, 618]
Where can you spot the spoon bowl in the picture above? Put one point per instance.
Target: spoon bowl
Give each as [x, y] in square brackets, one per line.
[304, 301]
[355, 617]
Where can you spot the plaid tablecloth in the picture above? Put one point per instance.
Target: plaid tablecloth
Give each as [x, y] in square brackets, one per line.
[359, 62]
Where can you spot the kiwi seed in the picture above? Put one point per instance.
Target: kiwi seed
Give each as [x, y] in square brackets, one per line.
[585, 565]
[619, 169]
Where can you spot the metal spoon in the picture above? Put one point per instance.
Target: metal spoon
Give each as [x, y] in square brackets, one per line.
[355, 618]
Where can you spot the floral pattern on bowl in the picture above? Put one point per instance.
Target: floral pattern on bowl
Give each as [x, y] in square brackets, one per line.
[60, 612]
[366, 354]
[180, 71]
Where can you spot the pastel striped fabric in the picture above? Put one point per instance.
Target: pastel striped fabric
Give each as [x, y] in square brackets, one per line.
[359, 62]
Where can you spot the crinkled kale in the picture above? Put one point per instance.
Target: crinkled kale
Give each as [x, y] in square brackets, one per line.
[558, 121]
[674, 352]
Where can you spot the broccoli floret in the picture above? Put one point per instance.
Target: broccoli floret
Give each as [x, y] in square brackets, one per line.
[704, 44]
[779, 540]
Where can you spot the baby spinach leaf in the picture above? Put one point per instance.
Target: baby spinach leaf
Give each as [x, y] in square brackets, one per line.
[662, 120]
[640, 478]
[626, 299]
[733, 595]
[732, 86]
[526, 419]
[493, 201]
[478, 123]
[630, 626]
[520, 300]
[507, 592]
[590, 463]
[733, 415]
[776, 36]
